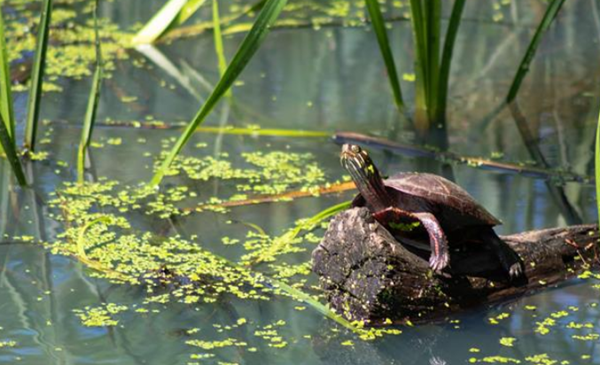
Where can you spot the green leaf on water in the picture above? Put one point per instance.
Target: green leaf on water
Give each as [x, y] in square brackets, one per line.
[249, 46]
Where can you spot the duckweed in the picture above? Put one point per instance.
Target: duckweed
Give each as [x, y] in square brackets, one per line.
[101, 316]
[71, 50]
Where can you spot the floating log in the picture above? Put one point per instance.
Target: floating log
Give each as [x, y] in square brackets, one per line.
[367, 275]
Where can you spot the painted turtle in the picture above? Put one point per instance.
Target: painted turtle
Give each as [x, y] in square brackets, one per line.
[440, 206]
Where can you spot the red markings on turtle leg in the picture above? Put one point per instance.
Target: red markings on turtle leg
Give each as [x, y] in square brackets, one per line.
[439, 244]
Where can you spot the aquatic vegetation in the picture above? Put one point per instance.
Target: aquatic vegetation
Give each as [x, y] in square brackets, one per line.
[172, 14]
[549, 16]
[136, 236]
[6, 100]
[9, 149]
[73, 48]
[378, 25]
[101, 316]
[90, 113]
[6, 343]
[267, 16]
[37, 76]
[597, 166]
[101, 233]
[7, 118]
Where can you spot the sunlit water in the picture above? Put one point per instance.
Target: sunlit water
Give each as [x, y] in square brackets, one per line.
[330, 79]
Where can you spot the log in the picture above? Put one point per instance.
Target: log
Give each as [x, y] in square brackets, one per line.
[367, 275]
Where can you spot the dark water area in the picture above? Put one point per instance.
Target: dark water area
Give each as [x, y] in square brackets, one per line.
[327, 79]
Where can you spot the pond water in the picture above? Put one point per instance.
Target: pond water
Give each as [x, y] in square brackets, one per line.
[326, 79]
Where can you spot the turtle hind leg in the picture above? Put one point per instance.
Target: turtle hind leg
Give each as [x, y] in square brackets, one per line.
[509, 259]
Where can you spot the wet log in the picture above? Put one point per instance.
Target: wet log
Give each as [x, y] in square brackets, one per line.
[367, 275]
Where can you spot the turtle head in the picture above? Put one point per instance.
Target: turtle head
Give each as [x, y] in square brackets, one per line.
[366, 177]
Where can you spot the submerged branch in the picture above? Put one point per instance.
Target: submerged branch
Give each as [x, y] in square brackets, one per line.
[328, 189]
[418, 151]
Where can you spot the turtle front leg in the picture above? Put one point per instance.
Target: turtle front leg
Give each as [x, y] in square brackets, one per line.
[440, 258]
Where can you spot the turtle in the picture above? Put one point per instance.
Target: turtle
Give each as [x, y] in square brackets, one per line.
[439, 206]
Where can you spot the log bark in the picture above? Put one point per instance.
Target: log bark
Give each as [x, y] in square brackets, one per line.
[368, 275]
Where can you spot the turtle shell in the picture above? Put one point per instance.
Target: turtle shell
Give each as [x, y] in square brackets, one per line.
[421, 192]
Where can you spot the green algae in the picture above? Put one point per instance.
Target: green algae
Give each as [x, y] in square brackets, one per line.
[6, 343]
[102, 316]
[72, 49]
[108, 227]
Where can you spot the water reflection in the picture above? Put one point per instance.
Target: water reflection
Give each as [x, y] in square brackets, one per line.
[330, 79]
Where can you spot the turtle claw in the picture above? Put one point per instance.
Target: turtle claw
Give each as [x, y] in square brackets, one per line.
[439, 262]
[516, 270]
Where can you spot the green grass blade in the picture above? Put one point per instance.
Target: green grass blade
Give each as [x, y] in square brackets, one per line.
[384, 47]
[316, 305]
[597, 168]
[549, 16]
[202, 26]
[11, 153]
[186, 12]
[433, 18]
[420, 44]
[90, 113]
[6, 100]
[172, 14]
[249, 46]
[279, 243]
[219, 49]
[451, 33]
[296, 294]
[37, 76]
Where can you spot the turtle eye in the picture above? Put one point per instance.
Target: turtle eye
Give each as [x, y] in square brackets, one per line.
[354, 148]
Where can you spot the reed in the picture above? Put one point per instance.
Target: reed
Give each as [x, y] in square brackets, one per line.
[244, 54]
[597, 167]
[6, 100]
[549, 16]
[432, 72]
[171, 15]
[8, 145]
[378, 25]
[37, 76]
[219, 48]
[92, 106]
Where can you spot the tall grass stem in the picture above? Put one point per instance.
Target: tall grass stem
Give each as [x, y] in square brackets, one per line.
[378, 24]
[597, 168]
[219, 49]
[447, 53]
[11, 153]
[6, 100]
[244, 54]
[92, 106]
[37, 76]
[551, 12]
[172, 14]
